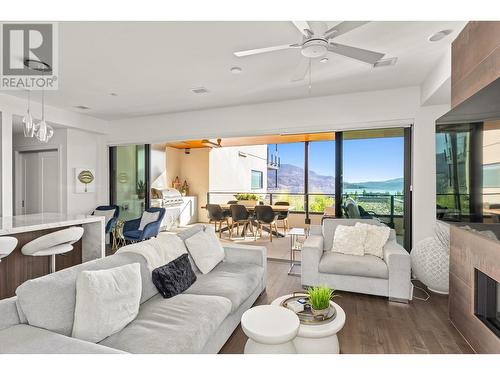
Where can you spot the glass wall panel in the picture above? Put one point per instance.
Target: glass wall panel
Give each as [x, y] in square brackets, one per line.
[373, 176]
[321, 176]
[128, 174]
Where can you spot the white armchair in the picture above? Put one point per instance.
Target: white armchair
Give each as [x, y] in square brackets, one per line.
[389, 277]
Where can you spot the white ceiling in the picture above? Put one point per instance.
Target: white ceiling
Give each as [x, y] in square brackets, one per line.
[153, 65]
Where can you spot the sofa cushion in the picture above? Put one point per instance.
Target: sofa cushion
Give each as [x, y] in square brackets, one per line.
[235, 281]
[343, 264]
[24, 339]
[49, 302]
[206, 250]
[8, 313]
[175, 277]
[106, 301]
[181, 324]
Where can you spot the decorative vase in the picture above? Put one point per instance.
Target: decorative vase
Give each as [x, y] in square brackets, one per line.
[322, 312]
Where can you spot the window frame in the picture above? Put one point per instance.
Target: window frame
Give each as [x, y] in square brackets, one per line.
[261, 179]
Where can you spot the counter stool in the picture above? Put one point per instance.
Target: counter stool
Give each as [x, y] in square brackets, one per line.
[7, 245]
[54, 243]
[270, 330]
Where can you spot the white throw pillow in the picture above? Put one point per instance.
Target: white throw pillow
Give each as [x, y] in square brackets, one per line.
[349, 240]
[376, 238]
[108, 215]
[206, 250]
[106, 301]
[148, 217]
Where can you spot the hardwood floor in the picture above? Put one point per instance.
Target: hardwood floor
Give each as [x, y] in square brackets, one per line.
[374, 325]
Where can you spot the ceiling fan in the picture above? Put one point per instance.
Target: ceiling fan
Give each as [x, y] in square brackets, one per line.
[316, 45]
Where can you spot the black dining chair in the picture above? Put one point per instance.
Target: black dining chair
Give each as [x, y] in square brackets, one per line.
[232, 202]
[240, 215]
[217, 215]
[283, 216]
[264, 215]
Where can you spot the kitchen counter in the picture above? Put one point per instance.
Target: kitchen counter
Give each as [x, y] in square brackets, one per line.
[93, 240]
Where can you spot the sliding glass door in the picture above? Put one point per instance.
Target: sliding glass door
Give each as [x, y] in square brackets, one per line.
[374, 163]
[129, 176]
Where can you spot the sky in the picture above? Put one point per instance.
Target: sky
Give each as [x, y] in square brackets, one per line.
[374, 159]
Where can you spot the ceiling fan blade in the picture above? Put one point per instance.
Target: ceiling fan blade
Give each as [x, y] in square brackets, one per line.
[301, 70]
[303, 27]
[360, 54]
[343, 28]
[265, 49]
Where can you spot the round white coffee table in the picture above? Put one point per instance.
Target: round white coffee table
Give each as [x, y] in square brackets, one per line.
[320, 338]
[270, 330]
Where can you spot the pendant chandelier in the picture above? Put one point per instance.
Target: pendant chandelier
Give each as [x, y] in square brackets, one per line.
[40, 130]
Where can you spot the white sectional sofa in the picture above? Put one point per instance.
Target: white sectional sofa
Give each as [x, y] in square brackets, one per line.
[39, 318]
[388, 277]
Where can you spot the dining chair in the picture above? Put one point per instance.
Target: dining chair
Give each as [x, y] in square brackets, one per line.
[232, 202]
[240, 215]
[266, 215]
[283, 216]
[217, 215]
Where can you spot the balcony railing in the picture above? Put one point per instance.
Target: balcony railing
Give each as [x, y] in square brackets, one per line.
[384, 206]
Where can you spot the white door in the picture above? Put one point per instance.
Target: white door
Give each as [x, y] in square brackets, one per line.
[40, 190]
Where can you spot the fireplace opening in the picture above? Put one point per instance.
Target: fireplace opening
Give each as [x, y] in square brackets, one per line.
[487, 301]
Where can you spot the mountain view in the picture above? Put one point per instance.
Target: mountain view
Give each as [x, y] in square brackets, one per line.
[291, 179]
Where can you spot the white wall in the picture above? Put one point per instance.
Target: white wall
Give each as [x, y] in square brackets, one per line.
[231, 172]
[84, 146]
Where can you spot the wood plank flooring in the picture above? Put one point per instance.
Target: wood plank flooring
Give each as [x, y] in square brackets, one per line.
[374, 325]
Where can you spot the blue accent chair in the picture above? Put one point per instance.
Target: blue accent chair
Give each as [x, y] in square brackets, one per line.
[112, 222]
[131, 230]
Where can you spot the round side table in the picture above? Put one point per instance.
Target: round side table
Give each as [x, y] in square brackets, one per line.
[270, 330]
[320, 338]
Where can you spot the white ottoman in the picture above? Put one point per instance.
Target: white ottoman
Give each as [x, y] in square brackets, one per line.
[320, 338]
[270, 329]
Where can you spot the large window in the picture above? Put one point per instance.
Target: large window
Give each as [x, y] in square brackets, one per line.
[321, 175]
[285, 180]
[373, 176]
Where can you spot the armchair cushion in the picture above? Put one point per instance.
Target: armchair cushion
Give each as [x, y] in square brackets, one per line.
[147, 218]
[344, 264]
[376, 238]
[349, 240]
[133, 234]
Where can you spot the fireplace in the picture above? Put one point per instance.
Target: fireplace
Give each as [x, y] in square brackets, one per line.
[487, 301]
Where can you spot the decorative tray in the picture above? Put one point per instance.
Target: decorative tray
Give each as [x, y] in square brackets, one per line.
[306, 316]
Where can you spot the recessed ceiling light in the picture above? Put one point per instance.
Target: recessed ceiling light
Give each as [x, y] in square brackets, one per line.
[324, 60]
[236, 70]
[199, 90]
[385, 62]
[439, 35]
[82, 107]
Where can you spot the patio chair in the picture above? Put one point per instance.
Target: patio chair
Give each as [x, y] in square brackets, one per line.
[217, 215]
[265, 215]
[145, 227]
[240, 215]
[283, 216]
[111, 214]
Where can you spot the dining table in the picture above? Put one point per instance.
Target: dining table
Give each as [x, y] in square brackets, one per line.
[251, 209]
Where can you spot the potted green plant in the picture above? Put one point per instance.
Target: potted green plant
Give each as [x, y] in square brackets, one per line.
[141, 189]
[319, 299]
[247, 199]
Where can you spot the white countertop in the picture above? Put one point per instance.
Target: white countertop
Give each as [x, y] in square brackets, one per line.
[33, 222]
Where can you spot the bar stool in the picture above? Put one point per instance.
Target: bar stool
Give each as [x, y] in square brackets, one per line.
[7, 246]
[52, 244]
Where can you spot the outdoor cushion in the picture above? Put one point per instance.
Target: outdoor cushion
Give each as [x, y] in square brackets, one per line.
[343, 264]
[24, 339]
[235, 281]
[181, 324]
[49, 302]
